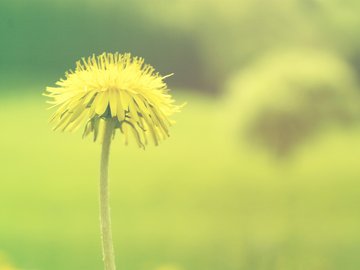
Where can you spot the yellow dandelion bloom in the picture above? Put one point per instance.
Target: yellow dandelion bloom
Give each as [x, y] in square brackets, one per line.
[110, 92]
[118, 87]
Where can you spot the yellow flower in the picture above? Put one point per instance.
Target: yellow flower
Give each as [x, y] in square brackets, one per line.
[118, 87]
[4, 263]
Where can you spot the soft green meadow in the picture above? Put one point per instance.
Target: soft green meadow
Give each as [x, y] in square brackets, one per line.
[199, 201]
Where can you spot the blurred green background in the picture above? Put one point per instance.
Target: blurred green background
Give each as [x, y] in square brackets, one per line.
[261, 171]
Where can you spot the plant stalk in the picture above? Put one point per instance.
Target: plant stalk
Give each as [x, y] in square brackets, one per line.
[105, 220]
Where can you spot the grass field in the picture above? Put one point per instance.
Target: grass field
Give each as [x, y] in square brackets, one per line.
[200, 201]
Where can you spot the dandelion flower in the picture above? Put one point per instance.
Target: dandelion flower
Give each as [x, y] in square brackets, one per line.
[107, 93]
[117, 87]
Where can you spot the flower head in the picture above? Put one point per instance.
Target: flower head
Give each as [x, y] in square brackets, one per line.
[115, 87]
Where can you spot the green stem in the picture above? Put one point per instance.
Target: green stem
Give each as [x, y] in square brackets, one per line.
[105, 220]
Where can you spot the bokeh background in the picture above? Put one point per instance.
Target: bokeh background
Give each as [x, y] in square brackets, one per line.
[261, 171]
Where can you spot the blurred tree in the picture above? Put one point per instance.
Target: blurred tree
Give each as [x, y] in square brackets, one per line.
[233, 33]
[287, 96]
[201, 41]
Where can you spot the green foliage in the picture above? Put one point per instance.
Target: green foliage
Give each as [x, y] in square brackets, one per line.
[42, 39]
[200, 41]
